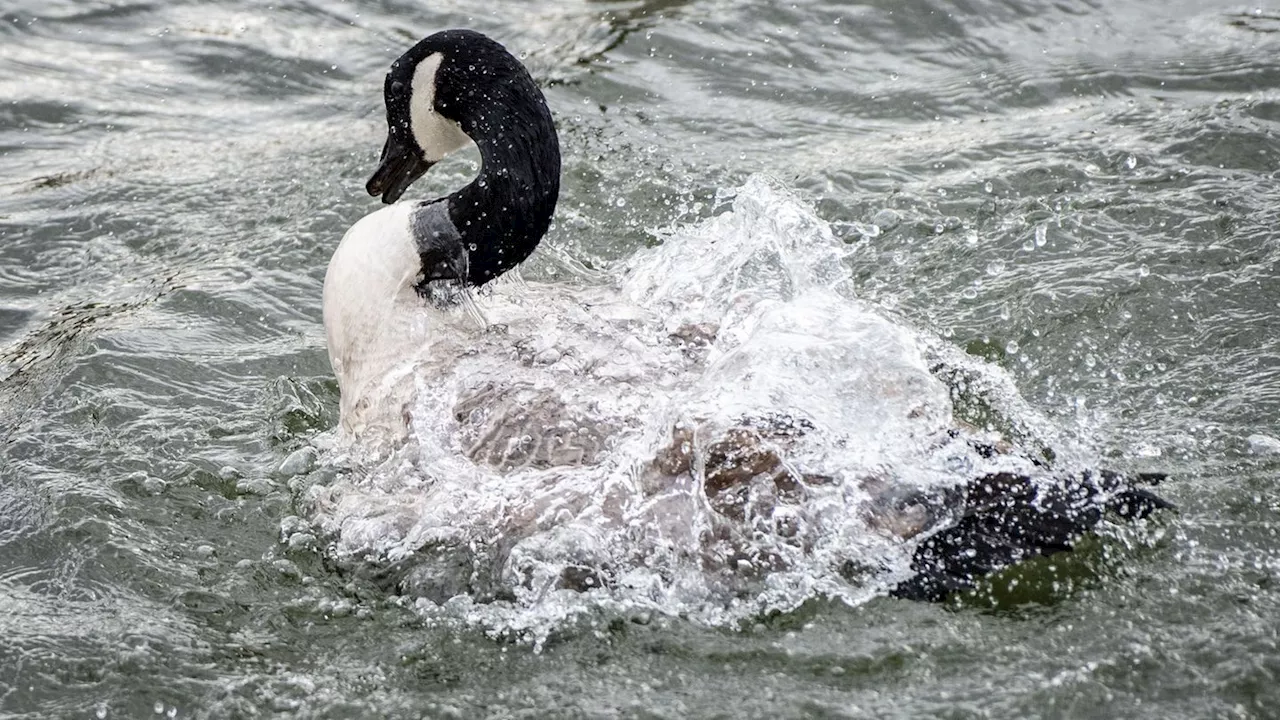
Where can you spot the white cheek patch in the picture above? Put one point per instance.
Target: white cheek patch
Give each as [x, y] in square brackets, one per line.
[435, 134]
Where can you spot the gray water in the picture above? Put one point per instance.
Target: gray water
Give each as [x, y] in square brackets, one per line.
[1083, 193]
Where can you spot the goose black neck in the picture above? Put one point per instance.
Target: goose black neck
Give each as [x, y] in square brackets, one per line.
[505, 211]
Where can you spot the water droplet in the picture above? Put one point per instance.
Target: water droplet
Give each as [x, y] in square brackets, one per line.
[865, 230]
[1147, 450]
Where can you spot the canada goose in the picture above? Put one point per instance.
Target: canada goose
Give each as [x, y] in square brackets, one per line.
[537, 389]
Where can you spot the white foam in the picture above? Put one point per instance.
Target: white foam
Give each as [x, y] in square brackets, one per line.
[576, 437]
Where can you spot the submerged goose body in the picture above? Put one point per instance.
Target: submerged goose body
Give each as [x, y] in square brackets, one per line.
[723, 414]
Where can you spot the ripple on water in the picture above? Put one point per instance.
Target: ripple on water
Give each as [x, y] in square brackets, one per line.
[1134, 138]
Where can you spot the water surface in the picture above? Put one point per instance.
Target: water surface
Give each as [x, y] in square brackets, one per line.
[1083, 194]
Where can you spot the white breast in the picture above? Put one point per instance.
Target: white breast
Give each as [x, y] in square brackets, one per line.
[368, 298]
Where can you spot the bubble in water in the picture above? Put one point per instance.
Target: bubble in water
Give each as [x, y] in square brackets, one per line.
[1042, 235]
[995, 267]
[158, 708]
[988, 187]
[887, 219]
[1012, 347]
[1263, 445]
[1131, 162]
[620, 202]
[1143, 271]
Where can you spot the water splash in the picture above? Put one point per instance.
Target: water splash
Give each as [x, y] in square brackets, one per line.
[723, 432]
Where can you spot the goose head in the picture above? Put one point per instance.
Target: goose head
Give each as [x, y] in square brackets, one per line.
[453, 88]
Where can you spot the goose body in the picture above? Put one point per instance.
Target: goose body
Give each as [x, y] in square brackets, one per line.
[727, 399]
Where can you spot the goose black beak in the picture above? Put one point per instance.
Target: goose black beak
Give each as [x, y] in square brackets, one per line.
[401, 164]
